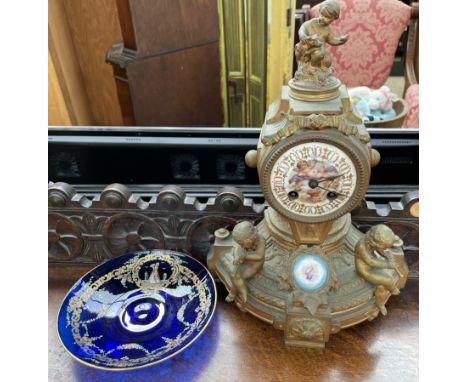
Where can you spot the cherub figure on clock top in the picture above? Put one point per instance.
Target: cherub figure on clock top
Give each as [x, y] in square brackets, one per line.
[311, 53]
[306, 269]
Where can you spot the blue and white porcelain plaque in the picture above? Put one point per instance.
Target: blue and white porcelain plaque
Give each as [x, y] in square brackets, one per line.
[310, 272]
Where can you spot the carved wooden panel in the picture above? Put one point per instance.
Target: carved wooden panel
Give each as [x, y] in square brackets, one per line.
[88, 229]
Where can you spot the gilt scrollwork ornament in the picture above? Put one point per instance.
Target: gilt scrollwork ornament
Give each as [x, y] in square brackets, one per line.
[306, 328]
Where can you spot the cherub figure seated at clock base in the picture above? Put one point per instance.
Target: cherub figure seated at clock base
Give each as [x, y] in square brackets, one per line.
[249, 256]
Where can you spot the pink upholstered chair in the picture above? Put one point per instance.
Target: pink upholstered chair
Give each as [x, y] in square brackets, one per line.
[374, 27]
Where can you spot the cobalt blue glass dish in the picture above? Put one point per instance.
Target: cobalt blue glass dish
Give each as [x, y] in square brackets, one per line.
[137, 310]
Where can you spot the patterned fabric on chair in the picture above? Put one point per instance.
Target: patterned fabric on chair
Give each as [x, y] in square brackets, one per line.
[412, 97]
[374, 27]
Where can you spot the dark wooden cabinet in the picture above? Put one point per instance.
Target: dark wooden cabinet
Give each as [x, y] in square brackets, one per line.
[167, 67]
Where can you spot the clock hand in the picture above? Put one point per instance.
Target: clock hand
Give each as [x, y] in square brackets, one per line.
[336, 192]
[329, 178]
[314, 184]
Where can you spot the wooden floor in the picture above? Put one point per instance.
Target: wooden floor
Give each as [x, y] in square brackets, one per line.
[239, 347]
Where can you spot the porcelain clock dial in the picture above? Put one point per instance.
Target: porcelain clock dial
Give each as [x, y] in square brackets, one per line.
[313, 179]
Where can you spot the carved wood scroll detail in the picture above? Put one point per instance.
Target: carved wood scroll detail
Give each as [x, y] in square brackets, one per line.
[86, 229]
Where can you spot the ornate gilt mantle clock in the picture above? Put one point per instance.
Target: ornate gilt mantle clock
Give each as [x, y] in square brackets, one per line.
[305, 268]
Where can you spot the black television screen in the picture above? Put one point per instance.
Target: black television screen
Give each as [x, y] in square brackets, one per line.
[197, 156]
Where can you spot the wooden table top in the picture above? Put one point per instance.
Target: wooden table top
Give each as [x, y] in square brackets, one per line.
[238, 347]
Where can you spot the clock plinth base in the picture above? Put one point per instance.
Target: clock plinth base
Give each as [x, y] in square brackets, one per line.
[314, 91]
[308, 310]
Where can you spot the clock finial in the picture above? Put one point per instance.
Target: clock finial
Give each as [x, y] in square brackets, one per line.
[313, 79]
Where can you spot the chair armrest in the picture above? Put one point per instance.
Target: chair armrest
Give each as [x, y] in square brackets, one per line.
[412, 49]
[412, 97]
